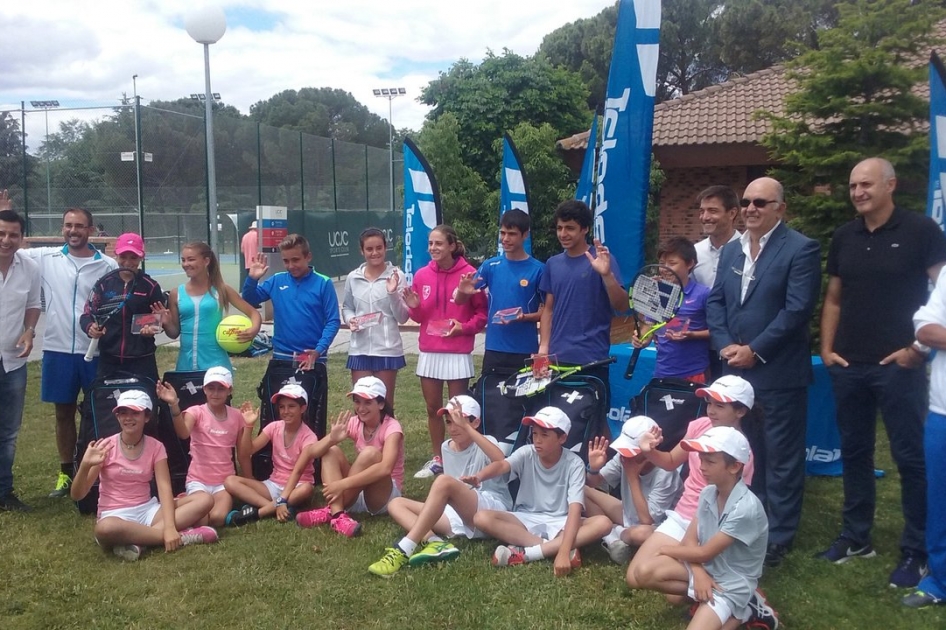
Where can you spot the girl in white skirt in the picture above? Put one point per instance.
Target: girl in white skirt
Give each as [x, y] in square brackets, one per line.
[447, 330]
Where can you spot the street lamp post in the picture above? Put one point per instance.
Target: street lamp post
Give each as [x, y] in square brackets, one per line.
[390, 94]
[46, 105]
[206, 26]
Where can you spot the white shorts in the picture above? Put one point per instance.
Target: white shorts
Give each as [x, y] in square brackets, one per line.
[544, 526]
[275, 490]
[360, 506]
[485, 501]
[445, 366]
[142, 514]
[720, 605]
[674, 526]
[196, 486]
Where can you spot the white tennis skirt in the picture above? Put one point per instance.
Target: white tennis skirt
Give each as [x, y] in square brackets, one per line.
[445, 366]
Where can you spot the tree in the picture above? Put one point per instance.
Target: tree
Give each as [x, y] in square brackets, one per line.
[463, 192]
[11, 153]
[856, 99]
[503, 91]
[325, 112]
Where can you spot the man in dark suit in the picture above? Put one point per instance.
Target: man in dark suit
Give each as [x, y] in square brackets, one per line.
[767, 285]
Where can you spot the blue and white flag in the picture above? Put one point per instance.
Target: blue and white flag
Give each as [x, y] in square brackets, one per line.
[585, 191]
[422, 210]
[513, 190]
[627, 130]
[937, 183]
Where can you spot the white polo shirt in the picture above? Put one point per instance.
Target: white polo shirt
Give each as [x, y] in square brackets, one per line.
[707, 259]
[19, 290]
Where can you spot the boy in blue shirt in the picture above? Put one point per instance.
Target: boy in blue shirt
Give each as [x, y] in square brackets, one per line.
[513, 281]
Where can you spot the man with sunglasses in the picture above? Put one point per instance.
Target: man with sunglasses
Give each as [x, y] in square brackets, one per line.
[767, 285]
[879, 269]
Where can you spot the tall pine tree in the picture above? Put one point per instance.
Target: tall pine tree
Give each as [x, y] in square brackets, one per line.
[856, 98]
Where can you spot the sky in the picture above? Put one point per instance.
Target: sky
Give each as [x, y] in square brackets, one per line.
[84, 53]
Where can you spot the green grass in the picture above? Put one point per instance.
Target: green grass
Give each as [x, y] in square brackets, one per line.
[271, 575]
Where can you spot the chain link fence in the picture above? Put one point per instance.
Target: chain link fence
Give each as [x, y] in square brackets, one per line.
[333, 189]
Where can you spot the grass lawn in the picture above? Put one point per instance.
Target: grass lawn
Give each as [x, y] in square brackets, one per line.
[272, 575]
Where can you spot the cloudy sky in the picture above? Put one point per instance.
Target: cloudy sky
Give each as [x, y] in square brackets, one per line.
[85, 52]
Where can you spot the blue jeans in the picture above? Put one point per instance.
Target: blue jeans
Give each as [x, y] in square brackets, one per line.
[935, 582]
[860, 390]
[13, 394]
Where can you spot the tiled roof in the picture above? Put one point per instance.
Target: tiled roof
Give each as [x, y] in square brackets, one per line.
[724, 113]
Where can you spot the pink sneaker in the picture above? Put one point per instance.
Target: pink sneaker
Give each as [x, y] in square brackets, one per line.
[346, 525]
[314, 518]
[202, 535]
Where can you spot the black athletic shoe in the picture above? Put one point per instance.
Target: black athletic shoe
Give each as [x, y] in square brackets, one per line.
[247, 514]
[12, 503]
[775, 554]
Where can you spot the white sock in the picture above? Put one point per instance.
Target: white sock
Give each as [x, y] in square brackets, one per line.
[614, 535]
[408, 546]
[534, 553]
[434, 538]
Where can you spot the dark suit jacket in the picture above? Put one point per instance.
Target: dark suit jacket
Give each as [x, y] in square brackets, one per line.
[774, 318]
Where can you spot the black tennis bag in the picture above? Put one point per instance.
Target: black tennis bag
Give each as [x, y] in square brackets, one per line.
[315, 384]
[583, 399]
[97, 421]
[673, 405]
[500, 417]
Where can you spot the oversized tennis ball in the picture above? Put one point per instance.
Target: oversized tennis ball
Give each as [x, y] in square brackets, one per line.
[227, 331]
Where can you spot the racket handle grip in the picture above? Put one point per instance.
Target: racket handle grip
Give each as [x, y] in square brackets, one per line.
[632, 363]
[90, 353]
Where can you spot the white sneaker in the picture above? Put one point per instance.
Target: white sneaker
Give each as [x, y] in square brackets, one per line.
[618, 550]
[129, 553]
[432, 468]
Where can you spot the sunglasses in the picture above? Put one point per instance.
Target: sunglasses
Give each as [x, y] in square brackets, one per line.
[758, 203]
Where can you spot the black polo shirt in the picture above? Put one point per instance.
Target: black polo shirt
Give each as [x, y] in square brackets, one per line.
[883, 281]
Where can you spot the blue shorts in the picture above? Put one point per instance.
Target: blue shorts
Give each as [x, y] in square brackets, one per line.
[64, 375]
[365, 363]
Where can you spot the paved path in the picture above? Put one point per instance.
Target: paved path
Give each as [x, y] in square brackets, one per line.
[409, 335]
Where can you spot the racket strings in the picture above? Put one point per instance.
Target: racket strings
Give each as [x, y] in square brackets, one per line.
[655, 298]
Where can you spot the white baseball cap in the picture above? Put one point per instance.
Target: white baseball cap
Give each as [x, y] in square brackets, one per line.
[729, 389]
[550, 418]
[291, 390]
[721, 440]
[133, 399]
[369, 388]
[468, 406]
[218, 375]
[628, 443]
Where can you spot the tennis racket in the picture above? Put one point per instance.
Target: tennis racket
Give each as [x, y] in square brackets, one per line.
[656, 296]
[104, 303]
[525, 384]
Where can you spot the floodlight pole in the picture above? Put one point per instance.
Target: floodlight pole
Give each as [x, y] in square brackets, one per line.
[46, 105]
[390, 94]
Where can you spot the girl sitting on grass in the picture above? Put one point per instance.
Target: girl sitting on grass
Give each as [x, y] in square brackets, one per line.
[214, 429]
[284, 489]
[129, 518]
[376, 475]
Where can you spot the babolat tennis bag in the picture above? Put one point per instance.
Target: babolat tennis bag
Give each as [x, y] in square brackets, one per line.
[501, 417]
[97, 421]
[673, 404]
[582, 398]
[315, 384]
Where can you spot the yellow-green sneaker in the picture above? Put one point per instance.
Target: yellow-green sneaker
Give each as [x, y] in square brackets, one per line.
[389, 564]
[434, 551]
[63, 484]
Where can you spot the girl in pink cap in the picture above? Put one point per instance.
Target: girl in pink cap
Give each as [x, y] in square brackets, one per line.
[129, 518]
[377, 474]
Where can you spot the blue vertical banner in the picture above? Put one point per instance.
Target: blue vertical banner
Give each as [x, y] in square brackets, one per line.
[585, 191]
[937, 182]
[627, 130]
[422, 209]
[513, 189]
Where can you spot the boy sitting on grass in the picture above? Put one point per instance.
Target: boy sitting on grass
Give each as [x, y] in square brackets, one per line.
[451, 504]
[647, 492]
[546, 519]
[720, 559]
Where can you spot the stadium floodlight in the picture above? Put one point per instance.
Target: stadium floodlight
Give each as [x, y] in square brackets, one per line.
[46, 106]
[390, 94]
